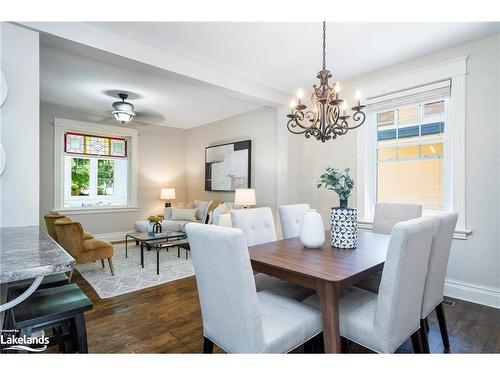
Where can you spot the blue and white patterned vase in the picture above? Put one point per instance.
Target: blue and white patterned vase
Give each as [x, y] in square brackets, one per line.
[344, 226]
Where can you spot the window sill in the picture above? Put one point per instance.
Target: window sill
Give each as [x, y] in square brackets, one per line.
[96, 210]
[460, 234]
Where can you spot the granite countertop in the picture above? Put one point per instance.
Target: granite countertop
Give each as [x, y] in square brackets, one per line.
[28, 252]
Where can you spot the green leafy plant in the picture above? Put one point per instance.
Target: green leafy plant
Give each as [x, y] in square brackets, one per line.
[337, 180]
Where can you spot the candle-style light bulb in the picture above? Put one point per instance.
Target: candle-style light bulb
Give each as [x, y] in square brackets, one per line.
[357, 96]
[293, 104]
[344, 108]
[300, 94]
[337, 87]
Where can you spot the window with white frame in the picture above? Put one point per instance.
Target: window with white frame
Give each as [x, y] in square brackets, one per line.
[409, 145]
[95, 170]
[95, 167]
[412, 146]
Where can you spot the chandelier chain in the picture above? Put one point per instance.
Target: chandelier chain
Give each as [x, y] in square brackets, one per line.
[324, 44]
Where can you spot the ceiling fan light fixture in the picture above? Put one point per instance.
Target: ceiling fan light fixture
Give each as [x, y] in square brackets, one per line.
[124, 111]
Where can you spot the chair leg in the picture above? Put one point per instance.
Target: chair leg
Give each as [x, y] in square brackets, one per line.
[70, 275]
[308, 346]
[81, 333]
[25, 332]
[318, 343]
[111, 268]
[426, 324]
[442, 326]
[424, 336]
[314, 344]
[102, 262]
[416, 341]
[208, 346]
[344, 345]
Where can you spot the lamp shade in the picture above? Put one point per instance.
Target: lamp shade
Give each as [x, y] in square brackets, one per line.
[167, 193]
[244, 197]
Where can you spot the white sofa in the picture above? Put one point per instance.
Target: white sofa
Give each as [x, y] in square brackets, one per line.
[179, 225]
[166, 225]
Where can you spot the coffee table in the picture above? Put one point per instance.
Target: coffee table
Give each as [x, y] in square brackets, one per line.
[156, 241]
[179, 243]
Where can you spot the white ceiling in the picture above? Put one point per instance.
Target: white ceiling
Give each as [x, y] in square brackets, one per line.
[283, 56]
[88, 79]
[287, 56]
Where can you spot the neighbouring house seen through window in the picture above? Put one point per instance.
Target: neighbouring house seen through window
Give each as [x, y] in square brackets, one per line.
[410, 154]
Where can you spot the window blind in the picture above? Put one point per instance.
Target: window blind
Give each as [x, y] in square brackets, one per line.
[427, 93]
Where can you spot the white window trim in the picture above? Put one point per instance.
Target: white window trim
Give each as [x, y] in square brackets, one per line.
[455, 70]
[61, 126]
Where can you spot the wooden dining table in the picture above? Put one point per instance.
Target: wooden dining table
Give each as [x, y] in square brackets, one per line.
[327, 270]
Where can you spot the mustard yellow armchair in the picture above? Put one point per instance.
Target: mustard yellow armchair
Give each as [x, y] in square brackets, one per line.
[51, 218]
[72, 239]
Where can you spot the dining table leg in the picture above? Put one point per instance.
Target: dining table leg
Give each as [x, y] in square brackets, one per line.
[328, 294]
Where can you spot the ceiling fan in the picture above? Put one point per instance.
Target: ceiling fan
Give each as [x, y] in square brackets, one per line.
[125, 112]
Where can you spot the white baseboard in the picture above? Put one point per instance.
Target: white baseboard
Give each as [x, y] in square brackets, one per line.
[472, 292]
[112, 237]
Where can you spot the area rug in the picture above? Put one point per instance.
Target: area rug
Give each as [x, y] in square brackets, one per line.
[130, 276]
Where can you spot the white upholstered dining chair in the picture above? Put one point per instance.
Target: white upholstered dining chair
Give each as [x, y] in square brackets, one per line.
[436, 273]
[389, 214]
[257, 224]
[383, 322]
[386, 216]
[235, 316]
[291, 216]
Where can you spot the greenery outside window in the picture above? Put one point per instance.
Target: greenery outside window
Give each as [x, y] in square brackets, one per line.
[105, 177]
[80, 177]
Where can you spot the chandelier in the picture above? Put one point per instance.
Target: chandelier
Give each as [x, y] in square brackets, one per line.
[123, 111]
[328, 118]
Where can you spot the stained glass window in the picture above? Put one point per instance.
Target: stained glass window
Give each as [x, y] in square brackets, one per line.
[85, 144]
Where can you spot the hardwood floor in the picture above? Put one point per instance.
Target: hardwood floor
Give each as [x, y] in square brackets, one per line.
[166, 319]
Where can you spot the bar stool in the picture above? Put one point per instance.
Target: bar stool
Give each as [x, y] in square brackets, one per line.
[16, 288]
[50, 281]
[62, 308]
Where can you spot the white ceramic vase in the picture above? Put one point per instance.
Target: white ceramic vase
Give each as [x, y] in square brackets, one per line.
[312, 233]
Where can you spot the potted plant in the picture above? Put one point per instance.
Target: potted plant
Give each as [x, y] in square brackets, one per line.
[344, 231]
[339, 181]
[154, 225]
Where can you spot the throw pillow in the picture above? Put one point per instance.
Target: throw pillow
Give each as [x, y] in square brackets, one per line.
[219, 210]
[201, 208]
[167, 213]
[187, 214]
[185, 205]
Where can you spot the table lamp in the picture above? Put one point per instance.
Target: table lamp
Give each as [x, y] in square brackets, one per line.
[244, 197]
[167, 194]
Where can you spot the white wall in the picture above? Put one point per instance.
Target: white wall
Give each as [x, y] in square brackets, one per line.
[474, 267]
[161, 164]
[259, 126]
[19, 124]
